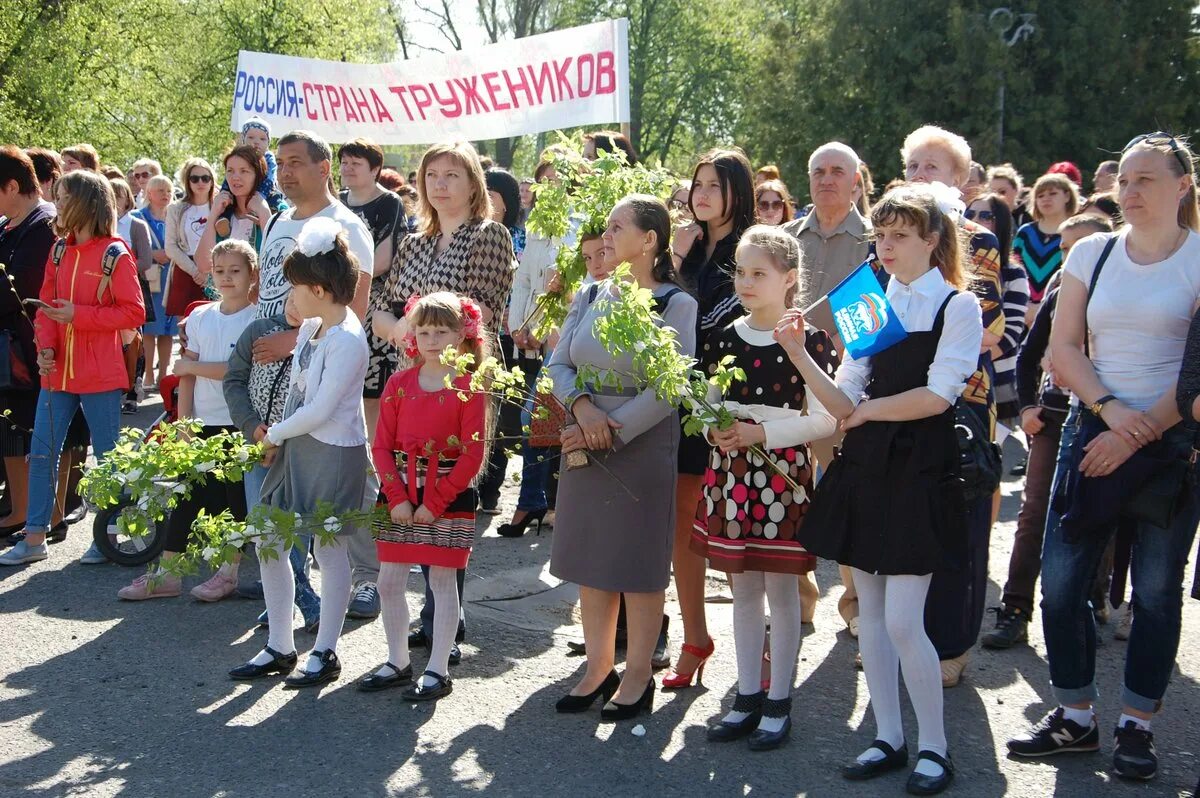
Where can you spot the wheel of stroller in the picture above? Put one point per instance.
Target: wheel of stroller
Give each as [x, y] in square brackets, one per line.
[122, 548]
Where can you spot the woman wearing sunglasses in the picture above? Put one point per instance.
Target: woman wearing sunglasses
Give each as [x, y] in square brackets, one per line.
[186, 219]
[772, 202]
[1119, 335]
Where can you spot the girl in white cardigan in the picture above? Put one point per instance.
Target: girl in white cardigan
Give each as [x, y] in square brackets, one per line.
[318, 455]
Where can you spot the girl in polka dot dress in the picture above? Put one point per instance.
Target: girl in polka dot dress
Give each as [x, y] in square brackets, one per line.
[748, 515]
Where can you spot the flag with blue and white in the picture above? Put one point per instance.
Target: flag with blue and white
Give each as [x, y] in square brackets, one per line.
[864, 317]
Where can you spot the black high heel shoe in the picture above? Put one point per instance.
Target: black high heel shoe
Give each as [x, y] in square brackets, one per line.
[570, 704]
[614, 711]
[726, 731]
[280, 663]
[331, 669]
[518, 529]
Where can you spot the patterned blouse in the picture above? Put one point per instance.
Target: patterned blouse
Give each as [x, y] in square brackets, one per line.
[478, 263]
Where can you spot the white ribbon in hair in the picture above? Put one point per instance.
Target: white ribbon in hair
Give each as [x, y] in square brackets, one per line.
[948, 199]
[317, 236]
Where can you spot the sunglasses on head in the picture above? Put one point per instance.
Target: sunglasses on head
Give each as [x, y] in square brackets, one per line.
[1159, 137]
[770, 205]
[983, 216]
[199, 178]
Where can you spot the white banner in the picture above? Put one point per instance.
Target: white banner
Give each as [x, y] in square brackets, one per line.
[578, 76]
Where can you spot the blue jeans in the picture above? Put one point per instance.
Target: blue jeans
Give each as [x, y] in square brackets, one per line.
[1068, 569]
[298, 556]
[535, 469]
[55, 409]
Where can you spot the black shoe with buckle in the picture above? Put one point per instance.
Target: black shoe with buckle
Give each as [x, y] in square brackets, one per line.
[1012, 627]
[441, 687]
[280, 663]
[376, 681]
[762, 740]
[331, 669]
[727, 731]
[920, 784]
[893, 759]
[1133, 752]
[1055, 734]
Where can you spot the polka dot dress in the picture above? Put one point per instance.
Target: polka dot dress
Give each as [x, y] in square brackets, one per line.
[748, 515]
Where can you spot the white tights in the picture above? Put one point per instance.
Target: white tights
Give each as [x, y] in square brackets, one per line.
[891, 635]
[749, 628]
[393, 579]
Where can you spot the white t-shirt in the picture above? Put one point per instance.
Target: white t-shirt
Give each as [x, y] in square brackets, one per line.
[1138, 317]
[273, 289]
[213, 335]
[195, 218]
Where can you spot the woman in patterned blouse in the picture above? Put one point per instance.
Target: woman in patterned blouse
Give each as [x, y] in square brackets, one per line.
[458, 248]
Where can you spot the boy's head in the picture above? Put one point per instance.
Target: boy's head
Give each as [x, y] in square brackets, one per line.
[234, 266]
[257, 133]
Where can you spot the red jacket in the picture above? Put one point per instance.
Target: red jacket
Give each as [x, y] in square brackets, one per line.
[87, 352]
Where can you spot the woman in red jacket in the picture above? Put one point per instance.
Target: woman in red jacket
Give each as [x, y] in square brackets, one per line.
[90, 293]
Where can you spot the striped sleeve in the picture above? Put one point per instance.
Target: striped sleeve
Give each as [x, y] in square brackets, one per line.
[1016, 299]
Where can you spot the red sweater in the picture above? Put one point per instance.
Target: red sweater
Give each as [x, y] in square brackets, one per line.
[420, 423]
[87, 351]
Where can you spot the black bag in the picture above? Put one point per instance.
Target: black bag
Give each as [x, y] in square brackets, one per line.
[979, 463]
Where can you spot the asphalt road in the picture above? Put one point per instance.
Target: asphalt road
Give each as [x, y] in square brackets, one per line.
[106, 698]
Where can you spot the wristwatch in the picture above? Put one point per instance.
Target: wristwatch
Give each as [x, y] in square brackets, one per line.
[1098, 405]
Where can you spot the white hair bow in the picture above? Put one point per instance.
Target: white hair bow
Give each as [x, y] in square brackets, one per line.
[948, 199]
[317, 236]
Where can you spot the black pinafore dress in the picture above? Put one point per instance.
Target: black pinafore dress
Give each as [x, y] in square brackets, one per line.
[892, 501]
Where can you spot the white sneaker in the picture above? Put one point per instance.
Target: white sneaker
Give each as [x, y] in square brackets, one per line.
[93, 556]
[23, 553]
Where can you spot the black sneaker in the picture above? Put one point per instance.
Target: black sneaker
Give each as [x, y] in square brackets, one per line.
[1056, 735]
[1133, 752]
[1012, 627]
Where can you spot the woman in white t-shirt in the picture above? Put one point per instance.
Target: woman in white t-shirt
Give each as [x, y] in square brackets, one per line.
[1119, 353]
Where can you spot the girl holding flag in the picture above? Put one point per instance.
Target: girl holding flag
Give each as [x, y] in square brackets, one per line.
[891, 505]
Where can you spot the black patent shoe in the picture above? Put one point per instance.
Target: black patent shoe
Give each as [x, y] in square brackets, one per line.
[376, 682]
[417, 639]
[892, 760]
[443, 687]
[919, 784]
[455, 654]
[331, 668]
[280, 663]
[614, 711]
[726, 732]
[762, 740]
[571, 704]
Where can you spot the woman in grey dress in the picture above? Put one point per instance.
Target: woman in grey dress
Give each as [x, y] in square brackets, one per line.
[615, 518]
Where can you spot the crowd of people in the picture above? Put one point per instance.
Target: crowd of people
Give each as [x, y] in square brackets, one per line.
[313, 321]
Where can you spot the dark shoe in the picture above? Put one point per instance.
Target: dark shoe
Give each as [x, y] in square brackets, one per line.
[374, 683]
[1133, 752]
[614, 711]
[331, 669]
[75, 513]
[620, 644]
[893, 759]
[726, 732]
[417, 639]
[920, 784]
[57, 533]
[571, 704]
[518, 529]
[490, 506]
[443, 687]
[661, 658]
[455, 654]
[251, 591]
[1012, 627]
[769, 741]
[263, 621]
[1054, 734]
[280, 663]
[364, 605]
[129, 407]
[1019, 469]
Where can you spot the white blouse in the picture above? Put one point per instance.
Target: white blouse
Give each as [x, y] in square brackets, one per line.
[917, 305]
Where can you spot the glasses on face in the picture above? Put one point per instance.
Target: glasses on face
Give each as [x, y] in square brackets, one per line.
[770, 205]
[1159, 137]
[983, 216]
[140, 175]
[199, 178]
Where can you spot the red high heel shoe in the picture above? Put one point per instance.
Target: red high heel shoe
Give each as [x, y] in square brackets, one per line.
[676, 681]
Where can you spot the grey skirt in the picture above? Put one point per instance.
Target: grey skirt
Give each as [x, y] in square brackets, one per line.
[308, 472]
[615, 531]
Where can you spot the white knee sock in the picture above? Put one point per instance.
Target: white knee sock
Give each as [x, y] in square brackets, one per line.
[393, 582]
[749, 629]
[783, 597]
[444, 584]
[905, 620]
[881, 663]
[279, 591]
[334, 561]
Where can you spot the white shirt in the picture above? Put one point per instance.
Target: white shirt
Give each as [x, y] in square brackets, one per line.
[273, 289]
[917, 305]
[332, 409]
[193, 221]
[1139, 315]
[212, 335]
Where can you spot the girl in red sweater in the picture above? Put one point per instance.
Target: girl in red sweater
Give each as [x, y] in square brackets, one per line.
[90, 294]
[429, 448]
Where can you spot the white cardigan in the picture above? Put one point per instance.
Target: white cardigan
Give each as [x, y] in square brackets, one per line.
[331, 408]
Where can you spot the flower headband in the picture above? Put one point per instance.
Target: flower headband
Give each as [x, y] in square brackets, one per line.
[472, 318]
